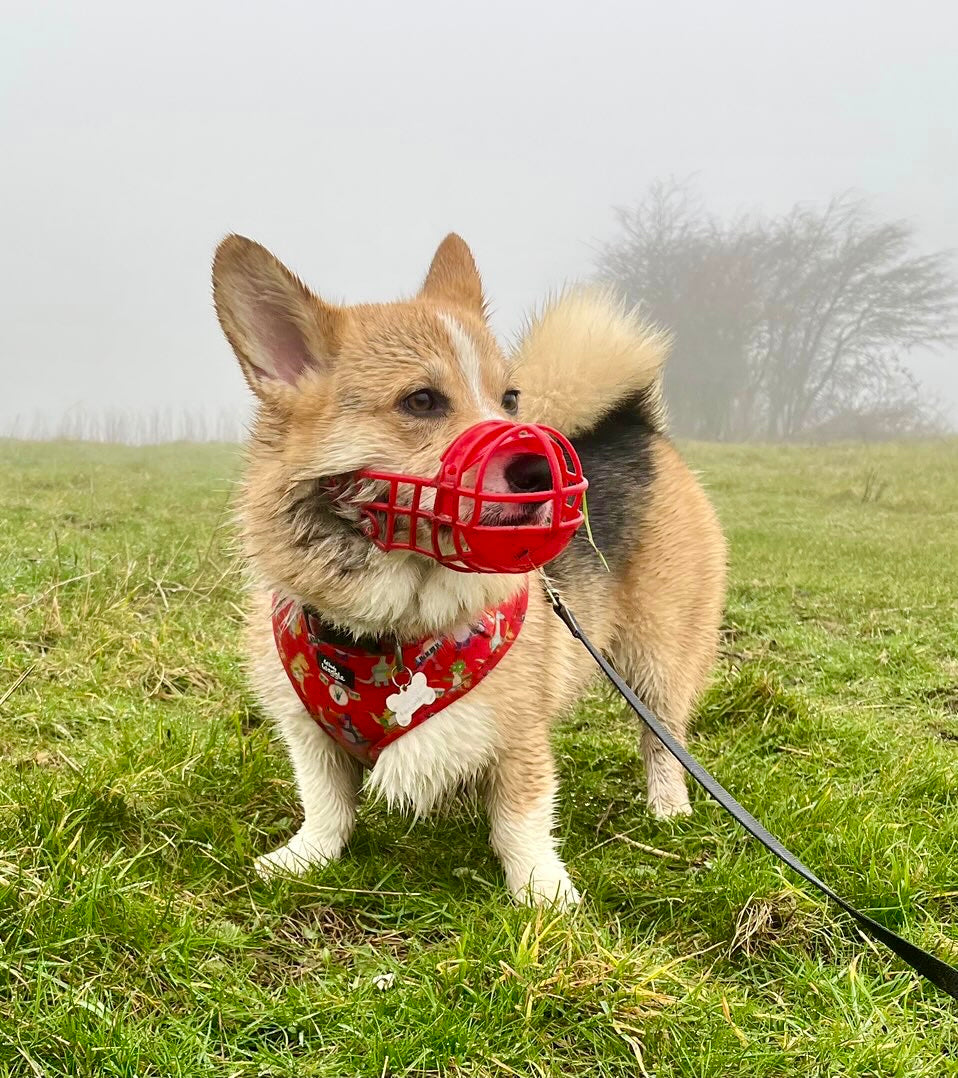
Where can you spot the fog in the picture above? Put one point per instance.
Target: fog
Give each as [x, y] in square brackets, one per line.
[349, 138]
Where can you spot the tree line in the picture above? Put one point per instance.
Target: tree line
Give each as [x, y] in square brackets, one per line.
[791, 327]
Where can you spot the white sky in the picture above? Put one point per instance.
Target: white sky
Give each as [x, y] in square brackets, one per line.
[350, 137]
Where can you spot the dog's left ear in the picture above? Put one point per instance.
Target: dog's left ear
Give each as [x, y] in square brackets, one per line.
[453, 277]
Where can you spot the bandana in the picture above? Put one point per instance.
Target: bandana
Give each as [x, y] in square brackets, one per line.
[367, 697]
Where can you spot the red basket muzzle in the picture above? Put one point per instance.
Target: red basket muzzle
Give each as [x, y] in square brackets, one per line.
[507, 499]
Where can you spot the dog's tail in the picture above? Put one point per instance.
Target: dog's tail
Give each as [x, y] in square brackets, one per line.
[584, 355]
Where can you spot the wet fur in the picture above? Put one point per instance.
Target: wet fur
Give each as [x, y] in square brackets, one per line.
[329, 380]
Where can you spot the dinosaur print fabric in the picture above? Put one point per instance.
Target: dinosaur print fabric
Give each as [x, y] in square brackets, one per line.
[366, 697]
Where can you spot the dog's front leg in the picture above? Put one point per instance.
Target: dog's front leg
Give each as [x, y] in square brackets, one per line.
[520, 793]
[328, 782]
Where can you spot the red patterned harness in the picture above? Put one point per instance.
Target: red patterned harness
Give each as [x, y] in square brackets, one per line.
[366, 699]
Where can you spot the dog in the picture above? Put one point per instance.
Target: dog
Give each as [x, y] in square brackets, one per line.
[389, 386]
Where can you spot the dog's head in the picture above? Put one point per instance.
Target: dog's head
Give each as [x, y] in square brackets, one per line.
[344, 389]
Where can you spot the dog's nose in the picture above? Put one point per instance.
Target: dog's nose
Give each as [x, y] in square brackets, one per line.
[528, 473]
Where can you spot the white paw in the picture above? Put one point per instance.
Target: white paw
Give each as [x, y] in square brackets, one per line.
[666, 808]
[546, 885]
[295, 858]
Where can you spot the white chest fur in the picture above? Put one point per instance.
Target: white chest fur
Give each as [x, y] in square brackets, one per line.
[427, 764]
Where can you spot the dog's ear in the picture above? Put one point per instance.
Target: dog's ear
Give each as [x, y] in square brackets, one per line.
[453, 277]
[277, 327]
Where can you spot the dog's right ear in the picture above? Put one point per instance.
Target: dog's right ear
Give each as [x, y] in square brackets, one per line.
[277, 327]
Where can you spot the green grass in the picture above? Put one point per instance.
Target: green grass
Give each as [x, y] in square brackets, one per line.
[138, 780]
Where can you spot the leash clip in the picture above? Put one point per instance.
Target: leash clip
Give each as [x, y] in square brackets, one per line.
[564, 613]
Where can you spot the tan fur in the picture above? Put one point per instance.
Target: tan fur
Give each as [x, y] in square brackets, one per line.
[453, 279]
[563, 384]
[673, 594]
[330, 381]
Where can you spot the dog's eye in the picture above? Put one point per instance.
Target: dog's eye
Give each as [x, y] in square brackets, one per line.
[510, 401]
[424, 402]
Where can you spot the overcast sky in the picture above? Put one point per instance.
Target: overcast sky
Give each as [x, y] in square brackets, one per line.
[350, 137]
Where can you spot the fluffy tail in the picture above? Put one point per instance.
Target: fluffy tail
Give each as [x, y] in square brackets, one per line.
[584, 354]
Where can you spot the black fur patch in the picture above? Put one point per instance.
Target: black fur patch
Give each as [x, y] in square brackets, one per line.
[308, 513]
[617, 460]
[312, 521]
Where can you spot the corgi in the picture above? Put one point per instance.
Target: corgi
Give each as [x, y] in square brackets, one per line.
[389, 386]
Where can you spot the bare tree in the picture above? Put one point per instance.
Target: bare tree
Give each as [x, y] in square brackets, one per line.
[788, 327]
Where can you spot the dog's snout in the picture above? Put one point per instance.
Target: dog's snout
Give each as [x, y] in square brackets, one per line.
[528, 473]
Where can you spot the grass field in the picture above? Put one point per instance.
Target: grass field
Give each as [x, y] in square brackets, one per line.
[138, 780]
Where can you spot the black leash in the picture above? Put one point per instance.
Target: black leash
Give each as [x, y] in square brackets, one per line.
[934, 969]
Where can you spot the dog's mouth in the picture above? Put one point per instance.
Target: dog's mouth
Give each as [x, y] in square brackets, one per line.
[356, 500]
[516, 514]
[348, 497]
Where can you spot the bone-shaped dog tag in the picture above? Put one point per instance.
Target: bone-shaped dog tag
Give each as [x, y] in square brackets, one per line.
[410, 698]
